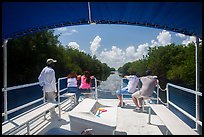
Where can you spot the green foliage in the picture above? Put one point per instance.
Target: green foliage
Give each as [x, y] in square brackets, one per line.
[171, 63]
[27, 57]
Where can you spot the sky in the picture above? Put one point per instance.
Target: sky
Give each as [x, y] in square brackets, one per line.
[116, 45]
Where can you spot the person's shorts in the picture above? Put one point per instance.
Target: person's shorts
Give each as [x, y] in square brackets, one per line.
[122, 91]
[137, 94]
[85, 90]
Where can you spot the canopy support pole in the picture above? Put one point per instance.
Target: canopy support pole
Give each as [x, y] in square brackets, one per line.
[5, 78]
[89, 9]
[197, 81]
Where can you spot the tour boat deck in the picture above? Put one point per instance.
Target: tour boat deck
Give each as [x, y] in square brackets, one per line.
[129, 121]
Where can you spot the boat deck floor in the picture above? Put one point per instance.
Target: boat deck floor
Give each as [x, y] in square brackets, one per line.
[129, 121]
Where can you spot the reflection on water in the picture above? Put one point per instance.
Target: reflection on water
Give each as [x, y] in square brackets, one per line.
[108, 88]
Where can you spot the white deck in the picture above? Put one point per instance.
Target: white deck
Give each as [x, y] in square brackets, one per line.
[129, 122]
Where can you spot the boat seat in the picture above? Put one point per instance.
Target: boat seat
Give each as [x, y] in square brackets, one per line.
[70, 95]
[11, 126]
[143, 100]
[173, 123]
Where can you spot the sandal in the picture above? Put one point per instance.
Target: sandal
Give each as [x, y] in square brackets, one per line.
[137, 108]
[119, 105]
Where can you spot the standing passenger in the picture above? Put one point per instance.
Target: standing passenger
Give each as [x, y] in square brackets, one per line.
[48, 81]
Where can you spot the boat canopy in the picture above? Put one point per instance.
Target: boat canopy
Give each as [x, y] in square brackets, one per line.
[22, 18]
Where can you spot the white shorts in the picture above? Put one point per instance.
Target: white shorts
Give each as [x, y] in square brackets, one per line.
[137, 95]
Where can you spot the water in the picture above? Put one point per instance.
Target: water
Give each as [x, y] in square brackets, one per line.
[112, 84]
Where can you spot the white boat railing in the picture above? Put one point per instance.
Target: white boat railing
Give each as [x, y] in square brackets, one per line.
[169, 102]
[196, 118]
[64, 88]
[155, 92]
[9, 89]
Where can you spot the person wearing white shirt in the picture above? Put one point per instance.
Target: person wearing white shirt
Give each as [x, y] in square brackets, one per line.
[48, 81]
[133, 83]
[72, 85]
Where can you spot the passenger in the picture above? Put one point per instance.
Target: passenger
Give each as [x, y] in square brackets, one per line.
[132, 87]
[85, 86]
[48, 81]
[72, 86]
[148, 85]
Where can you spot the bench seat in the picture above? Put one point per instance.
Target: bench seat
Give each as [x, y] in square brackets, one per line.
[25, 118]
[174, 124]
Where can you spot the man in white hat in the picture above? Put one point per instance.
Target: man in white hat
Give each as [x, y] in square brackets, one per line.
[48, 81]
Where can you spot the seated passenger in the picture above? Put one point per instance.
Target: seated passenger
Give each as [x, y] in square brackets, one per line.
[130, 88]
[148, 85]
[72, 85]
[85, 86]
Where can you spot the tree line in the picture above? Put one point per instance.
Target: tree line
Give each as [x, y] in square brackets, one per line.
[172, 64]
[27, 57]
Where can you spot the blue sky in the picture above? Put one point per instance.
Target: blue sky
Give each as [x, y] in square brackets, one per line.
[116, 45]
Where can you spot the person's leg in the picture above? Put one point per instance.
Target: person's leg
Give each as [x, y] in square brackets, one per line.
[78, 94]
[135, 101]
[50, 96]
[88, 91]
[76, 91]
[135, 98]
[140, 102]
[119, 94]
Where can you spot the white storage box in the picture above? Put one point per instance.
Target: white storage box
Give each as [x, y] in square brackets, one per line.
[85, 115]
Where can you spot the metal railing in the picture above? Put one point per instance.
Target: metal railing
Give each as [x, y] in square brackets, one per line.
[60, 89]
[169, 102]
[9, 89]
[196, 118]
[62, 86]
[155, 92]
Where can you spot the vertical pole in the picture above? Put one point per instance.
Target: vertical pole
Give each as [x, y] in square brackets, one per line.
[59, 108]
[167, 95]
[96, 91]
[44, 103]
[157, 91]
[197, 80]
[28, 128]
[149, 119]
[89, 10]
[5, 78]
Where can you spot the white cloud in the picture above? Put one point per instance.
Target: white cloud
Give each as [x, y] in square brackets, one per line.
[164, 38]
[114, 57]
[95, 45]
[188, 40]
[66, 33]
[117, 57]
[73, 31]
[180, 35]
[73, 45]
[153, 43]
[142, 49]
[62, 29]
